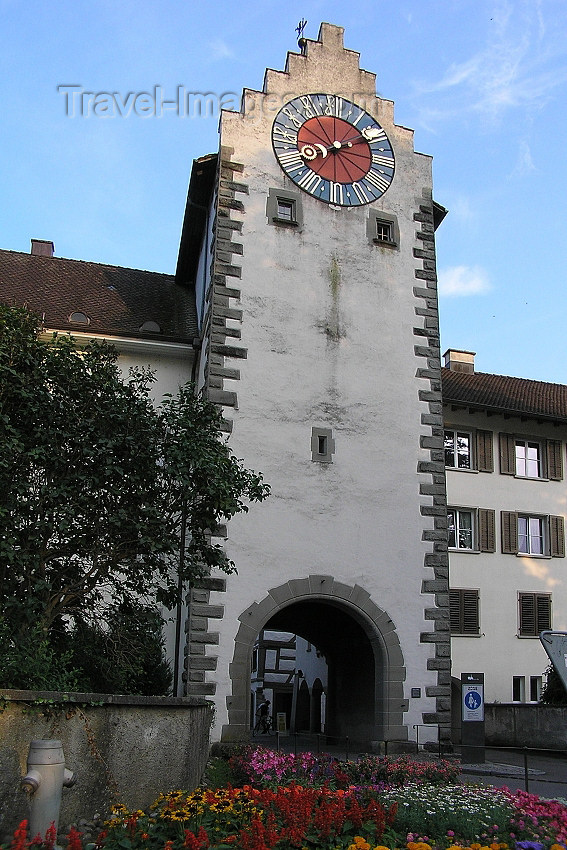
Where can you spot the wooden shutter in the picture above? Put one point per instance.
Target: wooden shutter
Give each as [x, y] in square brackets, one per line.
[484, 452]
[543, 612]
[527, 614]
[556, 537]
[535, 613]
[463, 612]
[554, 452]
[509, 528]
[486, 530]
[507, 454]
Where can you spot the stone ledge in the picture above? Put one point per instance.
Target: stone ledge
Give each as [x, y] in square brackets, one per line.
[12, 695]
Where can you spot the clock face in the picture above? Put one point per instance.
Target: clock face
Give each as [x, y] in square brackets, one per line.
[333, 149]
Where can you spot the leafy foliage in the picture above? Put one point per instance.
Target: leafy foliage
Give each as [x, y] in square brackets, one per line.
[554, 692]
[95, 483]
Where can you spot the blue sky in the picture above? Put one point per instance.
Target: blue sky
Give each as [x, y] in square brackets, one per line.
[482, 82]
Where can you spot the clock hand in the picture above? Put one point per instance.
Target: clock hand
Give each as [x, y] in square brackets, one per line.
[311, 152]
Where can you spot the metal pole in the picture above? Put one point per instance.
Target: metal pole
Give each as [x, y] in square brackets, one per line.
[346, 747]
[526, 780]
[295, 743]
[318, 743]
[278, 740]
[416, 727]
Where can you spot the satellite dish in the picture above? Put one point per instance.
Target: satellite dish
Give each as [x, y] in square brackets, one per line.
[555, 644]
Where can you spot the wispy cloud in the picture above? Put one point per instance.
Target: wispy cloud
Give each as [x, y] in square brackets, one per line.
[520, 65]
[219, 49]
[462, 281]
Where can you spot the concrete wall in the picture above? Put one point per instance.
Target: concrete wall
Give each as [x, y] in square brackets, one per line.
[123, 749]
[516, 725]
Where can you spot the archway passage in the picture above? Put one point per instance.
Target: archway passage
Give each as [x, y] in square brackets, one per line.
[354, 692]
[364, 694]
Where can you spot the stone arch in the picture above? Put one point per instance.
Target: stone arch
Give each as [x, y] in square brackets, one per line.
[353, 601]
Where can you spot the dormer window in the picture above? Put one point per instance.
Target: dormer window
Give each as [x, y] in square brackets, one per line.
[79, 318]
[150, 328]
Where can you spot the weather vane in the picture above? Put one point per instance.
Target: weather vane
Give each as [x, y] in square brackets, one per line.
[301, 41]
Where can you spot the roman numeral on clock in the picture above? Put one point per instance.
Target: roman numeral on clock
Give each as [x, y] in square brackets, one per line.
[290, 160]
[310, 182]
[388, 161]
[377, 180]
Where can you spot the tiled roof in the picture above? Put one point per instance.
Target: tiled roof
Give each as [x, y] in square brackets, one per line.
[117, 300]
[499, 393]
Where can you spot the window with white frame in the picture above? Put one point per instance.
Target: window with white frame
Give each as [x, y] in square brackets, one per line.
[528, 459]
[535, 688]
[518, 688]
[461, 528]
[458, 449]
[534, 613]
[384, 230]
[532, 535]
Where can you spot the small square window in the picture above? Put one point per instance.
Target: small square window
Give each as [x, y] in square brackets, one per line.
[322, 445]
[285, 210]
[384, 231]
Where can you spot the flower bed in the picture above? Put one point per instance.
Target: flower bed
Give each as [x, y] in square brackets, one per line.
[419, 814]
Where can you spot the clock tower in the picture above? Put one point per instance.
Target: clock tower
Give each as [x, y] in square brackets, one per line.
[310, 242]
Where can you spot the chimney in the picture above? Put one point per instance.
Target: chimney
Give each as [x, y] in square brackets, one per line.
[42, 248]
[459, 361]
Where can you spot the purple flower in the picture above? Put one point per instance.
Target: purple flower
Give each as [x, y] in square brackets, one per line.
[529, 845]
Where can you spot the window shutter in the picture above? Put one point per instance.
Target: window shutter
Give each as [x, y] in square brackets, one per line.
[455, 611]
[486, 530]
[556, 537]
[463, 612]
[484, 452]
[470, 612]
[507, 454]
[509, 527]
[543, 612]
[527, 614]
[554, 460]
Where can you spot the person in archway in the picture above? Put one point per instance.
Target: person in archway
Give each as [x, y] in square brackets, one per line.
[263, 724]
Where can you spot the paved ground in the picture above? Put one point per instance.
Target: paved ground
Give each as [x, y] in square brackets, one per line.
[547, 772]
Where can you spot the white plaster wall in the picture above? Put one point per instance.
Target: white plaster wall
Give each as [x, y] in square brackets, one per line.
[499, 652]
[358, 518]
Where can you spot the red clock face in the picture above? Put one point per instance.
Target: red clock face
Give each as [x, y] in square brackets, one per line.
[342, 154]
[333, 149]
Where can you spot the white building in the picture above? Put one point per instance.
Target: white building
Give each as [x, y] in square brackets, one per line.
[309, 241]
[504, 455]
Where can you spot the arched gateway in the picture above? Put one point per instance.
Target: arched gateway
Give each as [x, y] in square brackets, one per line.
[359, 641]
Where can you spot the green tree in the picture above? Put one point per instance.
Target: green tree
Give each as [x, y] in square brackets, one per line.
[554, 692]
[96, 482]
